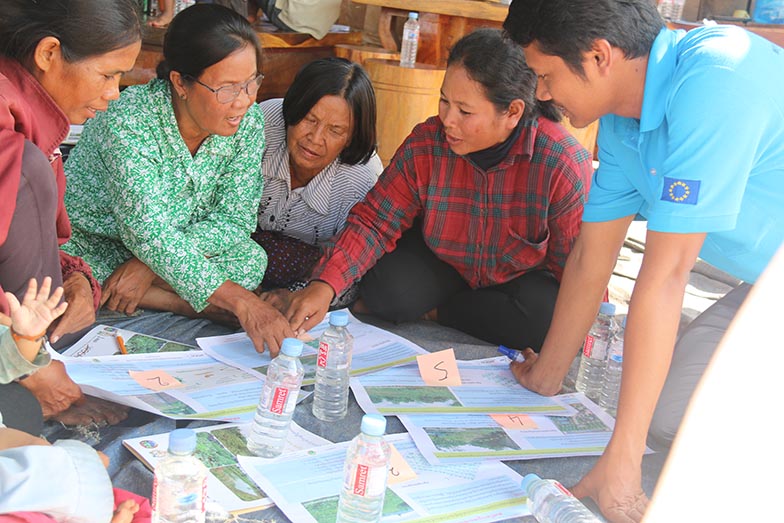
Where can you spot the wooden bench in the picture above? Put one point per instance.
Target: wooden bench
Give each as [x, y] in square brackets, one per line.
[284, 55]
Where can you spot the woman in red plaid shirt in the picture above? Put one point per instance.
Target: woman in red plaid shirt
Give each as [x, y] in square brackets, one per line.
[472, 221]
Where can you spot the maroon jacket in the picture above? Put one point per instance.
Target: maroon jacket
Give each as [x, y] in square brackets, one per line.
[27, 112]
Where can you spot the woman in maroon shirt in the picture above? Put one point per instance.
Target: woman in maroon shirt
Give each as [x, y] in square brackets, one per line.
[60, 63]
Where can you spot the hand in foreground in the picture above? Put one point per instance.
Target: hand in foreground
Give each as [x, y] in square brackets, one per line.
[53, 389]
[127, 285]
[264, 325]
[308, 306]
[37, 310]
[12, 438]
[80, 312]
[526, 375]
[616, 488]
[125, 511]
[278, 298]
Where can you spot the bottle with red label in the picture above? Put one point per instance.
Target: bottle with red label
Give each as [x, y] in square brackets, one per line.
[551, 502]
[365, 474]
[278, 399]
[330, 395]
[590, 377]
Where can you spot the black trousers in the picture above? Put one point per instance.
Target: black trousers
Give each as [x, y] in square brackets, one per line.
[410, 281]
[30, 251]
[20, 409]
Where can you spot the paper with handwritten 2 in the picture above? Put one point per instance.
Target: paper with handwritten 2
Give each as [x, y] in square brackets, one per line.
[192, 384]
[155, 379]
[439, 369]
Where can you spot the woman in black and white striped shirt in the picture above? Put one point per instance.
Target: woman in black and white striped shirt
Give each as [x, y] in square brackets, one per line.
[319, 161]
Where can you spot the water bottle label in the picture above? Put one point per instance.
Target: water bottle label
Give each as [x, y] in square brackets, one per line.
[411, 35]
[563, 489]
[280, 401]
[553, 488]
[592, 349]
[367, 481]
[323, 354]
[155, 493]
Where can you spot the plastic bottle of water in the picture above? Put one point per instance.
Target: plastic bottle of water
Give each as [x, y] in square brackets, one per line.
[179, 490]
[671, 9]
[408, 48]
[278, 399]
[591, 374]
[330, 396]
[365, 474]
[611, 388]
[551, 502]
[180, 5]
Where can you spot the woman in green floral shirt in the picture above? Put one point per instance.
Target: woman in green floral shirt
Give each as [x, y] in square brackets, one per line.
[163, 188]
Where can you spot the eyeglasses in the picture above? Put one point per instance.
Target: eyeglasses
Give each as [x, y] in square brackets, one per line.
[229, 93]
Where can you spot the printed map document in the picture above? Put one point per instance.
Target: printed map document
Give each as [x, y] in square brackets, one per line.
[208, 389]
[444, 438]
[488, 387]
[306, 486]
[374, 349]
[102, 341]
[218, 447]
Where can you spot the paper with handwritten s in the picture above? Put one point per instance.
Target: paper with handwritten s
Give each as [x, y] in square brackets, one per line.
[439, 369]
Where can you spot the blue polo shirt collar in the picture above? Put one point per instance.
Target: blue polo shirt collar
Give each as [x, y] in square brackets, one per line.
[662, 61]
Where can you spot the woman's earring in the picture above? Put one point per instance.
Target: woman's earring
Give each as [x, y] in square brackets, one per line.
[182, 96]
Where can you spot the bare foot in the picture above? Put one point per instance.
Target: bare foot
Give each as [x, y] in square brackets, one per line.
[359, 307]
[162, 20]
[219, 315]
[92, 410]
[431, 315]
[125, 511]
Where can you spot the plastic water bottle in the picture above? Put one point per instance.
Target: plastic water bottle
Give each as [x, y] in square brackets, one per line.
[611, 388]
[330, 395]
[551, 502]
[278, 399]
[671, 9]
[591, 374]
[408, 48]
[365, 474]
[180, 5]
[179, 489]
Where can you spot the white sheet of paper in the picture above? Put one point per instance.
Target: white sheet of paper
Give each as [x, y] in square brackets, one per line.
[218, 447]
[306, 486]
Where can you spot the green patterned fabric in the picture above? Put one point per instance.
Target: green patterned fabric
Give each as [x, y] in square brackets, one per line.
[135, 190]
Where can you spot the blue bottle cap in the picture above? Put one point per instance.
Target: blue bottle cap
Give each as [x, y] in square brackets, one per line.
[182, 441]
[413, 15]
[373, 424]
[527, 480]
[291, 347]
[607, 308]
[338, 318]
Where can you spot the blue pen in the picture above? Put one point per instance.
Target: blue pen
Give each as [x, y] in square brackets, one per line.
[514, 355]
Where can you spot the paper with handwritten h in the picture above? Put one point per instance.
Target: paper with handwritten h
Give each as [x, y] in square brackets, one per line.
[439, 369]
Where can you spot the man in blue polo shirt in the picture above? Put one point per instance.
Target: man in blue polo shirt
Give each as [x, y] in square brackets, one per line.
[691, 139]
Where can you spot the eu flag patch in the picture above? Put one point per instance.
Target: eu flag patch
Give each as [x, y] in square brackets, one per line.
[677, 190]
